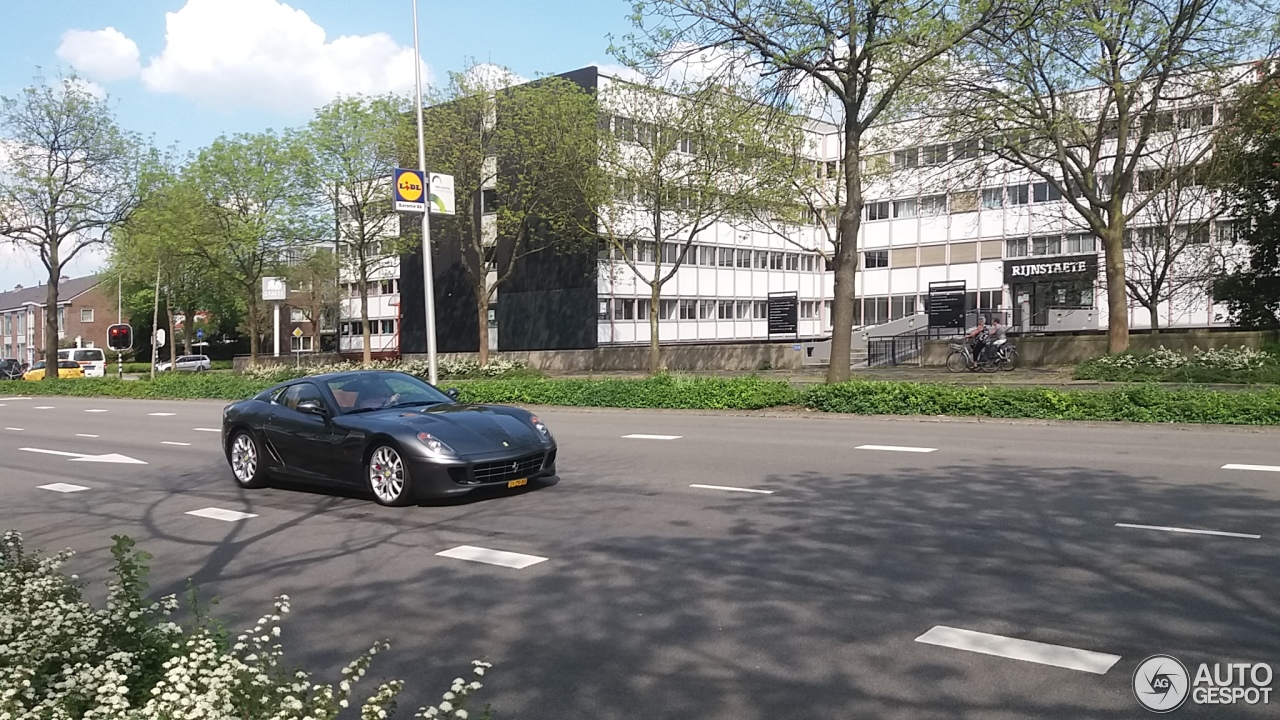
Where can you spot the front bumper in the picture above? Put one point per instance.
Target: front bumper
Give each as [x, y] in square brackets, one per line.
[439, 479]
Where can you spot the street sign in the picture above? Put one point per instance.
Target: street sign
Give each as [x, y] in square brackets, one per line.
[160, 336]
[784, 313]
[274, 289]
[441, 194]
[200, 334]
[297, 332]
[409, 190]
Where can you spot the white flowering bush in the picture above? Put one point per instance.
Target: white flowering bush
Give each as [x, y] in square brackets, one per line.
[446, 368]
[1166, 359]
[62, 659]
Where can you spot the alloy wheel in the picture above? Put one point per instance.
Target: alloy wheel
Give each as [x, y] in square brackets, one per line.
[244, 458]
[386, 475]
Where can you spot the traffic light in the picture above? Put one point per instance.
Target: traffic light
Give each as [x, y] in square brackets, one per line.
[120, 337]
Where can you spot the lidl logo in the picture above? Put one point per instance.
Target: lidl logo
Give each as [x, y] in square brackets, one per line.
[410, 191]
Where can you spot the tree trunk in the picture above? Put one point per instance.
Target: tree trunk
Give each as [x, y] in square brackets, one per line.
[845, 259]
[1153, 310]
[365, 330]
[655, 356]
[173, 340]
[1117, 292]
[253, 328]
[482, 315]
[155, 325]
[188, 327]
[51, 318]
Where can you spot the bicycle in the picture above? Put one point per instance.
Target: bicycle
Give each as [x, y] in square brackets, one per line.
[1006, 354]
[962, 359]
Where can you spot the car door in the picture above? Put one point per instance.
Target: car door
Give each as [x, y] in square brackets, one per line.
[305, 442]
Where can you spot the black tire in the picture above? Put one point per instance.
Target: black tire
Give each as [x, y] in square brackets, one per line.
[1009, 360]
[245, 457]
[387, 476]
[957, 362]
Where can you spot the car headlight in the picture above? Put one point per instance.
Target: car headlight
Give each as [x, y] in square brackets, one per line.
[435, 445]
[542, 429]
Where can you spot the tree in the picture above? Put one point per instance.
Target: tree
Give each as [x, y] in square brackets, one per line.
[682, 159]
[313, 283]
[352, 148]
[524, 165]
[1086, 95]
[865, 60]
[259, 208]
[69, 180]
[1250, 156]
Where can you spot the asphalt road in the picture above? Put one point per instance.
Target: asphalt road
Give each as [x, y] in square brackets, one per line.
[659, 599]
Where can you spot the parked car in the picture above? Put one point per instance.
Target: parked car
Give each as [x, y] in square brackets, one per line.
[92, 360]
[11, 369]
[188, 363]
[385, 432]
[67, 370]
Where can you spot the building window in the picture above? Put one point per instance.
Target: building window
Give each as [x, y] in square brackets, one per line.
[62, 319]
[966, 150]
[488, 201]
[706, 256]
[666, 309]
[744, 259]
[297, 315]
[645, 252]
[992, 198]
[724, 257]
[877, 163]
[1015, 247]
[878, 210]
[808, 262]
[602, 312]
[388, 327]
[904, 208]
[808, 309]
[933, 154]
[724, 310]
[688, 309]
[1045, 192]
[759, 309]
[990, 299]
[86, 315]
[775, 261]
[301, 344]
[744, 309]
[933, 205]
[706, 309]
[875, 259]
[1079, 243]
[908, 158]
[761, 260]
[1049, 245]
[671, 253]
[793, 261]
[624, 309]
[1019, 194]
[389, 287]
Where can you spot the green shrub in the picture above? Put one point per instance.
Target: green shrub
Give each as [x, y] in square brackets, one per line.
[60, 657]
[661, 391]
[1226, 365]
[172, 386]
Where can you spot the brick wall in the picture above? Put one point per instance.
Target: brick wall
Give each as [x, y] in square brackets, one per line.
[100, 303]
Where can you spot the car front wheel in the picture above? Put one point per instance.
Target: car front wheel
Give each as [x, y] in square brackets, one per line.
[246, 461]
[388, 477]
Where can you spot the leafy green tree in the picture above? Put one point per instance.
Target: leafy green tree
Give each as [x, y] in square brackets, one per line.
[69, 178]
[523, 161]
[313, 288]
[861, 61]
[1251, 157]
[352, 148]
[261, 210]
[682, 159]
[1088, 96]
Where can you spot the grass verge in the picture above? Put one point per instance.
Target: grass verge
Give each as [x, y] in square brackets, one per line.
[1134, 403]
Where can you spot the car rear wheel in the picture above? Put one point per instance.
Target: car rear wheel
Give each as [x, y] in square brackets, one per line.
[246, 461]
[388, 477]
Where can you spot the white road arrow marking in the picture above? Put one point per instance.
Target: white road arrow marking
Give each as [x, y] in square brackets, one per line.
[81, 457]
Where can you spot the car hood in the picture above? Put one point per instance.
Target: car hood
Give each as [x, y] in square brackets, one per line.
[468, 429]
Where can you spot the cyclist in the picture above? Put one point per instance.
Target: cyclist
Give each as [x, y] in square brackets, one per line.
[977, 339]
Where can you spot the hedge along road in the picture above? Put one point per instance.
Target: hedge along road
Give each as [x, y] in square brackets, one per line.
[1134, 403]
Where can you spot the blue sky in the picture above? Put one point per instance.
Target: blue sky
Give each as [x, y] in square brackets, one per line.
[185, 71]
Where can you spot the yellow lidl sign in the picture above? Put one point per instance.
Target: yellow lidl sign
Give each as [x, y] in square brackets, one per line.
[409, 191]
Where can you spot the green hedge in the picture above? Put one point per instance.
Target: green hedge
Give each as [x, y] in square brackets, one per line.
[1134, 403]
[1195, 374]
[1137, 403]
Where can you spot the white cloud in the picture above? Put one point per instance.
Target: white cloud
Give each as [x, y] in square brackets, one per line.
[106, 55]
[492, 77]
[261, 54]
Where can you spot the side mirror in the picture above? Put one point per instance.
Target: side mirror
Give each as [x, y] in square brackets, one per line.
[312, 407]
[452, 393]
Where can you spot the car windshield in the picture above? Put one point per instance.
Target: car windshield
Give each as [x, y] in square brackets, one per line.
[88, 355]
[362, 392]
[38, 366]
[68, 365]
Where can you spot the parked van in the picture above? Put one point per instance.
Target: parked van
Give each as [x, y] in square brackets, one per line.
[92, 360]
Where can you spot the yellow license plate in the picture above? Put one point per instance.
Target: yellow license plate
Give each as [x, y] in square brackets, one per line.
[518, 483]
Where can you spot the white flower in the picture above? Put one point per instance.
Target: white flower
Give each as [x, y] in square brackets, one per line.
[446, 706]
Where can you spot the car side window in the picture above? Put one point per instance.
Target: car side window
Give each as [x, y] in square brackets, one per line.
[300, 393]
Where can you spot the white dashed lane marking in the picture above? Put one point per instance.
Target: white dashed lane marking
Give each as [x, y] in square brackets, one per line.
[1189, 531]
[733, 489]
[63, 487]
[1259, 468]
[506, 559]
[897, 448]
[85, 435]
[220, 514]
[651, 437]
[14, 429]
[1016, 649]
[206, 429]
[43, 407]
[162, 414]
[170, 442]
[95, 410]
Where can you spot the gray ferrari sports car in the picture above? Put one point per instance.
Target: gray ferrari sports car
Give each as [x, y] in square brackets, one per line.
[393, 434]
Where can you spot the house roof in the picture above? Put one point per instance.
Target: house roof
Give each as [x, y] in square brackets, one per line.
[67, 290]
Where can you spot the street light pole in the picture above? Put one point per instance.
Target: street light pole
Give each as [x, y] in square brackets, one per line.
[428, 279]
